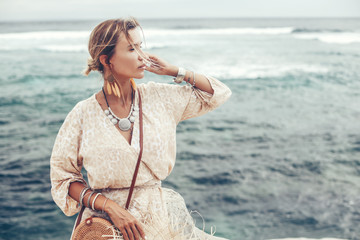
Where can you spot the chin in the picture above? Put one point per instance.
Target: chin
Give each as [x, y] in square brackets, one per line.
[140, 76]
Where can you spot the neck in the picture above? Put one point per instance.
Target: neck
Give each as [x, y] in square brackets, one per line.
[124, 100]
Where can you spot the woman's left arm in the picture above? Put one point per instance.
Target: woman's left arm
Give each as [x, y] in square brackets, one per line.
[161, 67]
[186, 102]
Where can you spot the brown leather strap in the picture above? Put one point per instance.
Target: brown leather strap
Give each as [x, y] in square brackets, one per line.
[78, 219]
[136, 168]
[140, 154]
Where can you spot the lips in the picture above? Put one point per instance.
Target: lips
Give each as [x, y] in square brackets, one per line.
[142, 66]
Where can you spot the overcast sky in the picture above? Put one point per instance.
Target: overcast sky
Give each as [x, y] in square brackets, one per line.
[19, 10]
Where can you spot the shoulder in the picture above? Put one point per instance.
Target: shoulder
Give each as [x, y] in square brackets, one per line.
[159, 89]
[154, 86]
[82, 106]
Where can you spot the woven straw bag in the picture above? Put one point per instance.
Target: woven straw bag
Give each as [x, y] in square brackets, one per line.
[94, 228]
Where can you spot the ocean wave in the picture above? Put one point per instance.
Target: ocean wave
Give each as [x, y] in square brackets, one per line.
[309, 30]
[327, 37]
[260, 71]
[157, 45]
[152, 32]
[323, 35]
[45, 35]
[297, 32]
[83, 47]
[63, 48]
[220, 31]
[307, 239]
[75, 48]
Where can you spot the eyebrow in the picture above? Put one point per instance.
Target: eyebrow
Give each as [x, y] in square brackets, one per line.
[135, 44]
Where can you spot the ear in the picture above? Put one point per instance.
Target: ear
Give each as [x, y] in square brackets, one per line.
[104, 60]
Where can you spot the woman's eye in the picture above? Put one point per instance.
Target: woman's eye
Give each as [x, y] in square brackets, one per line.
[132, 49]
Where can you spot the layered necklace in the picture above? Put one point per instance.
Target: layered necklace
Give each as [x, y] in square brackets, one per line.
[123, 123]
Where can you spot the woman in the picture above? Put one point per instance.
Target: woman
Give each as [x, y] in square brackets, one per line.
[92, 136]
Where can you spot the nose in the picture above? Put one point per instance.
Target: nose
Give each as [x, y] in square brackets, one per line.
[141, 55]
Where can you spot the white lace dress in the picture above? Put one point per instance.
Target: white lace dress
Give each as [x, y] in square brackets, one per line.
[88, 139]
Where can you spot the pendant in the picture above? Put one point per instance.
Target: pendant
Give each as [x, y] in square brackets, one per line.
[124, 124]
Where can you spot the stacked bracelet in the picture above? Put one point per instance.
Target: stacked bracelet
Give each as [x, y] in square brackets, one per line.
[82, 194]
[93, 202]
[189, 78]
[88, 201]
[102, 210]
[180, 76]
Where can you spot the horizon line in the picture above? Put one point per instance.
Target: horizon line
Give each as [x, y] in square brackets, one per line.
[172, 18]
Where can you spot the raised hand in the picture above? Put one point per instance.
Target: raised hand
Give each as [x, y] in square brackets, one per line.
[160, 66]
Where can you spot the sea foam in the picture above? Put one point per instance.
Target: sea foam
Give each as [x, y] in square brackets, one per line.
[308, 239]
[220, 31]
[254, 71]
[64, 48]
[205, 31]
[45, 35]
[331, 37]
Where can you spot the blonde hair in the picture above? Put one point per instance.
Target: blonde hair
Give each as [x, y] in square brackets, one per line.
[103, 40]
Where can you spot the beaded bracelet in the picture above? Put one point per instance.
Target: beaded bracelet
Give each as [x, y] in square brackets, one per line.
[93, 202]
[194, 79]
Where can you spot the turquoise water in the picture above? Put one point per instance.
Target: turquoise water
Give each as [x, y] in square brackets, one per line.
[280, 159]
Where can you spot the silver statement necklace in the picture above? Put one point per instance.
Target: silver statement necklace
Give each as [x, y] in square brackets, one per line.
[123, 123]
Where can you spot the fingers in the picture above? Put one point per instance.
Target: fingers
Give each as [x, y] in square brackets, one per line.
[124, 233]
[129, 233]
[154, 69]
[152, 65]
[129, 227]
[155, 61]
[132, 231]
[135, 232]
[141, 231]
[150, 55]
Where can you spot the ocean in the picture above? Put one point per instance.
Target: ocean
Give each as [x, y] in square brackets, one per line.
[280, 159]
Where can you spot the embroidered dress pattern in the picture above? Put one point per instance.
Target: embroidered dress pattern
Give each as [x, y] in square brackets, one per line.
[88, 138]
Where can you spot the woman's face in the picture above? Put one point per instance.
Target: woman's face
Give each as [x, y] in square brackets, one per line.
[125, 62]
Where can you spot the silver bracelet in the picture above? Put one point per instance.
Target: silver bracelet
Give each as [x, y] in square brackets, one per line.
[93, 202]
[188, 80]
[194, 79]
[102, 210]
[82, 195]
[180, 76]
[86, 194]
[88, 202]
